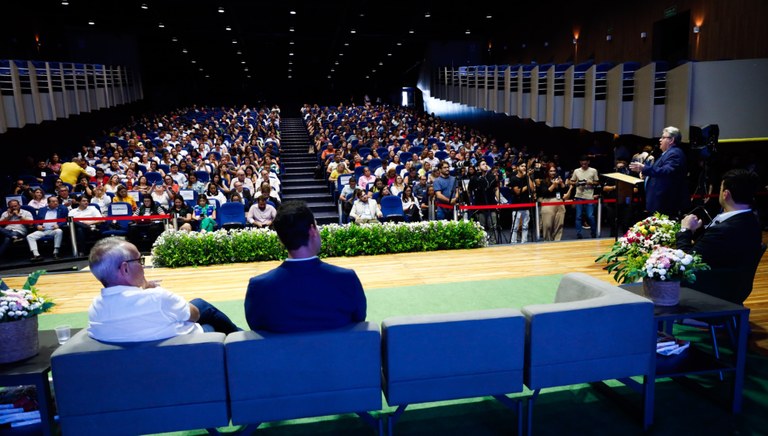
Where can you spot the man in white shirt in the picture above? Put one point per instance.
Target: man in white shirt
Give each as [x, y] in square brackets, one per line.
[84, 227]
[365, 210]
[261, 214]
[132, 309]
[179, 178]
[13, 232]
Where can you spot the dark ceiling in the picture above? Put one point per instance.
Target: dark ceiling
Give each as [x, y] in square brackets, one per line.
[259, 49]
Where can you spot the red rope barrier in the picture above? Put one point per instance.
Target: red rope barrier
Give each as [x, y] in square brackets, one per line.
[100, 218]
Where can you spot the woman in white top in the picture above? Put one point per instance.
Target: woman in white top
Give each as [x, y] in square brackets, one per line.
[113, 183]
[411, 205]
[162, 196]
[397, 186]
[38, 200]
[101, 199]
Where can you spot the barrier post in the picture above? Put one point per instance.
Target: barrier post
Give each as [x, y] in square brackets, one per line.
[431, 210]
[599, 215]
[72, 237]
[538, 220]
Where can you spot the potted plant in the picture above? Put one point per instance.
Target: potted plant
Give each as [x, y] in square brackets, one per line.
[18, 318]
[663, 271]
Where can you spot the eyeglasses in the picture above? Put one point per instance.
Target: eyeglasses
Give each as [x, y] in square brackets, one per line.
[140, 259]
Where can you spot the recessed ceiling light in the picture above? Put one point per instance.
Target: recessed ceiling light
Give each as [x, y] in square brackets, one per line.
[174, 39]
[239, 52]
[184, 50]
[290, 69]
[333, 70]
[399, 44]
[489, 16]
[249, 76]
[353, 31]
[373, 70]
[467, 32]
[389, 54]
[411, 31]
[336, 63]
[242, 62]
[201, 69]
[234, 41]
[292, 12]
[427, 15]
[207, 76]
[329, 76]
[290, 62]
[346, 44]
[291, 43]
[245, 69]
[367, 77]
[290, 77]
[341, 54]
[228, 28]
[144, 6]
[221, 10]
[64, 3]
[290, 54]
[91, 23]
[161, 25]
[291, 29]
[381, 63]
[193, 61]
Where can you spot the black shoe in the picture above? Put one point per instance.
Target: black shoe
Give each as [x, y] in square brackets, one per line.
[36, 259]
[579, 237]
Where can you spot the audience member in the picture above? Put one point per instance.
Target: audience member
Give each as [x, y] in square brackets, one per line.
[552, 189]
[365, 209]
[85, 229]
[13, 232]
[132, 309]
[303, 293]
[182, 213]
[585, 179]
[52, 212]
[261, 214]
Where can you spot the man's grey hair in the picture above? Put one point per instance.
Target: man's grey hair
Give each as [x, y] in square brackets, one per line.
[106, 257]
[674, 132]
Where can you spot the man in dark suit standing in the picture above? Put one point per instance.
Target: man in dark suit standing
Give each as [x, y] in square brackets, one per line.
[666, 185]
[303, 293]
[731, 243]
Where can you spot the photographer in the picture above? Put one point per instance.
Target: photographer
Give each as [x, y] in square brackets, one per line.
[522, 186]
[585, 179]
[484, 189]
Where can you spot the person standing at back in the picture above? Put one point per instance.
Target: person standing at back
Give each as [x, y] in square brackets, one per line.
[585, 179]
[303, 293]
[666, 184]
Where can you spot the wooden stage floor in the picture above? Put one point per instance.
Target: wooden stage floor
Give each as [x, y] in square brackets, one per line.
[73, 292]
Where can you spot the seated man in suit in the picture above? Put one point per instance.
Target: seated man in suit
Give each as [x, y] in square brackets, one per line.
[52, 212]
[303, 293]
[132, 309]
[730, 244]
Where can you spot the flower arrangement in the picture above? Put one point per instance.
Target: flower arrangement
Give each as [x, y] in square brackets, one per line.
[17, 304]
[666, 263]
[629, 254]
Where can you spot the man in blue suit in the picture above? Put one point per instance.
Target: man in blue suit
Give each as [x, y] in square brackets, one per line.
[303, 293]
[53, 211]
[666, 183]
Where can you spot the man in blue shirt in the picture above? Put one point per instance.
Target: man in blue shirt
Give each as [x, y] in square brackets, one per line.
[445, 190]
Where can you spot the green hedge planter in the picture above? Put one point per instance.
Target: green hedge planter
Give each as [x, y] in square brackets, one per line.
[175, 249]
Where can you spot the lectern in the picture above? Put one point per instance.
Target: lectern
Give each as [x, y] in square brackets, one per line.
[625, 187]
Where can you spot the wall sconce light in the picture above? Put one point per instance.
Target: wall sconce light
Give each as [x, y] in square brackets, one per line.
[608, 38]
[696, 29]
[575, 41]
[643, 35]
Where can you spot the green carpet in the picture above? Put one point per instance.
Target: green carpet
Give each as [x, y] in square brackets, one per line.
[574, 410]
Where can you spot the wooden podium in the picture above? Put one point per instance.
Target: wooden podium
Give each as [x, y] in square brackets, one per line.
[625, 187]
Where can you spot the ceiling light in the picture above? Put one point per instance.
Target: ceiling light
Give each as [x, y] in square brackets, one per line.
[489, 16]
[239, 52]
[367, 76]
[174, 39]
[242, 62]
[411, 31]
[290, 77]
[399, 44]
[184, 50]
[333, 70]
[221, 10]
[341, 54]
[207, 76]
[245, 69]
[234, 41]
[346, 44]
[290, 54]
[389, 54]
[201, 69]
[161, 25]
[64, 3]
[373, 70]
[290, 69]
[381, 63]
[193, 61]
[467, 32]
[249, 76]
[291, 43]
[427, 15]
[91, 23]
[336, 63]
[228, 28]
[291, 29]
[292, 12]
[144, 6]
[329, 76]
[353, 31]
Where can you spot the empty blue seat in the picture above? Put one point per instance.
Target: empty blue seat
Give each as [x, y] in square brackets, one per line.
[392, 208]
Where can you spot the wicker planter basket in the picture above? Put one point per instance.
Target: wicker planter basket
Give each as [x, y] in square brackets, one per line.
[19, 339]
[662, 292]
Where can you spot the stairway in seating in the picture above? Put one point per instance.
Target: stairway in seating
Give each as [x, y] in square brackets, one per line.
[298, 182]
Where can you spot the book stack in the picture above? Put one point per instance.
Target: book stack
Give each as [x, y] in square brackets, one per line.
[668, 345]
